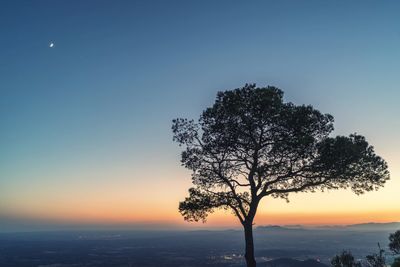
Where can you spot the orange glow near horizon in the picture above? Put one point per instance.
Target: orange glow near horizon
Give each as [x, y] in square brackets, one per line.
[223, 219]
[154, 199]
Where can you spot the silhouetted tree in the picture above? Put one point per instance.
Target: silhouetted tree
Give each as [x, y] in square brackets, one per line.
[377, 260]
[394, 242]
[345, 259]
[250, 144]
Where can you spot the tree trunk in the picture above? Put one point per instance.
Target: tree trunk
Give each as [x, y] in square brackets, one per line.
[249, 255]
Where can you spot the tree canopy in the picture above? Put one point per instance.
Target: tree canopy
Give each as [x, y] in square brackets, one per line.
[345, 259]
[394, 242]
[250, 144]
[377, 259]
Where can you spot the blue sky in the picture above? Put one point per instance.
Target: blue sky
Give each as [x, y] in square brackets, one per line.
[101, 101]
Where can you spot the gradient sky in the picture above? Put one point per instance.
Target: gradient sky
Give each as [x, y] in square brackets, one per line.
[85, 126]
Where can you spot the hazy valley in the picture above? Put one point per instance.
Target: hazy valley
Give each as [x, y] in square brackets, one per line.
[188, 248]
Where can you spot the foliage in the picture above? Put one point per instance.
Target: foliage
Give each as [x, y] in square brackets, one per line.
[345, 259]
[394, 242]
[251, 144]
[377, 260]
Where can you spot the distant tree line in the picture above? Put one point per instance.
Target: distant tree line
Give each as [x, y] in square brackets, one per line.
[346, 258]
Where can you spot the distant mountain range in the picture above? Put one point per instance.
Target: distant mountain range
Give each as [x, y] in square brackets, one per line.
[275, 227]
[371, 226]
[375, 226]
[286, 262]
